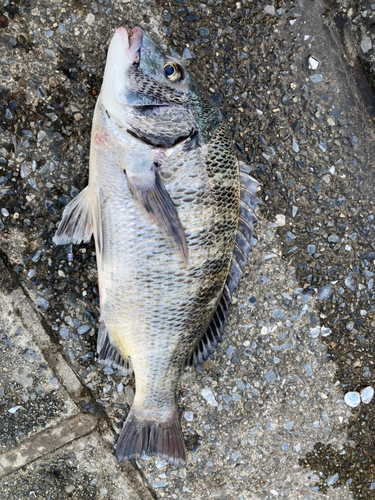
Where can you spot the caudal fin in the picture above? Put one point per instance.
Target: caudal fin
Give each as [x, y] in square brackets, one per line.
[163, 439]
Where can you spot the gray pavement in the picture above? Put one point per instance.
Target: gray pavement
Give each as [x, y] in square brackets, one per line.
[266, 417]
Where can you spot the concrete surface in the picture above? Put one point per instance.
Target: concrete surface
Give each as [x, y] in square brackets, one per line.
[266, 417]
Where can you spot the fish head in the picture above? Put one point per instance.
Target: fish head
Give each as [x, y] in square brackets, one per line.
[140, 78]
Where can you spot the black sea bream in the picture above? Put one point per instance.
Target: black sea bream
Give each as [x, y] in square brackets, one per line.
[171, 210]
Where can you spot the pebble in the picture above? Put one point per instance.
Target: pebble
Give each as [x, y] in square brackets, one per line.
[235, 456]
[24, 172]
[42, 303]
[317, 78]
[333, 238]
[188, 416]
[64, 333]
[310, 249]
[90, 19]
[209, 397]
[295, 146]
[187, 54]
[294, 211]
[332, 479]
[325, 292]
[269, 9]
[352, 399]
[33, 184]
[313, 63]
[50, 53]
[350, 283]
[270, 376]
[315, 332]
[4, 212]
[367, 394]
[323, 146]
[83, 329]
[69, 488]
[280, 220]
[325, 331]
[35, 256]
[289, 237]
[230, 351]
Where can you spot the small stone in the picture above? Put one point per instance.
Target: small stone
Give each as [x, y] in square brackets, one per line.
[325, 331]
[204, 31]
[235, 456]
[323, 146]
[269, 9]
[270, 376]
[50, 53]
[53, 82]
[33, 184]
[120, 387]
[295, 146]
[78, 117]
[187, 54]
[64, 333]
[317, 78]
[41, 135]
[352, 399]
[280, 220]
[90, 19]
[325, 292]
[315, 332]
[230, 351]
[350, 283]
[35, 256]
[332, 479]
[8, 114]
[313, 63]
[42, 303]
[209, 397]
[69, 488]
[24, 172]
[294, 211]
[366, 43]
[367, 394]
[289, 426]
[4, 212]
[310, 249]
[333, 238]
[188, 416]
[83, 329]
[289, 237]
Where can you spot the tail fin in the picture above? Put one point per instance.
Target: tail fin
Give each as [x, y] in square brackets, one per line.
[163, 439]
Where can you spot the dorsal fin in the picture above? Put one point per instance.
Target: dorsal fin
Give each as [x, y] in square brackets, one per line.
[207, 343]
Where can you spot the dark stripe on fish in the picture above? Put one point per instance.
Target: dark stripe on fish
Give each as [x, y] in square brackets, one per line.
[162, 142]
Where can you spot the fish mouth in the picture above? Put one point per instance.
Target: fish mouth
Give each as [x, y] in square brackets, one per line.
[132, 45]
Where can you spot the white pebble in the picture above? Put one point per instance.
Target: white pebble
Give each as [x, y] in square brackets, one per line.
[367, 394]
[352, 399]
[315, 332]
[209, 397]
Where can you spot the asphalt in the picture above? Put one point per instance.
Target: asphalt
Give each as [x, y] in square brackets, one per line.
[266, 416]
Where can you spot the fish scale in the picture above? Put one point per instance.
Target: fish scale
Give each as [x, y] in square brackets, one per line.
[172, 213]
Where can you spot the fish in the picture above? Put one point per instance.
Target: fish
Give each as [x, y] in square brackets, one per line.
[172, 212]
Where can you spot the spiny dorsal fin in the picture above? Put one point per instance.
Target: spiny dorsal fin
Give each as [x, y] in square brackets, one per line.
[207, 343]
[108, 355]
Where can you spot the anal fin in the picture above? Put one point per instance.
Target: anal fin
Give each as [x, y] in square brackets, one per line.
[108, 354]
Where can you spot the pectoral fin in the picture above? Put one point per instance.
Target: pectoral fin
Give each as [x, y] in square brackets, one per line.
[81, 218]
[150, 194]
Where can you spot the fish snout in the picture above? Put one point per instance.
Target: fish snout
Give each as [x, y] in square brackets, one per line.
[132, 46]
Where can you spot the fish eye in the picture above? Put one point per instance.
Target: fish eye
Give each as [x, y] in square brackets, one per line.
[173, 72]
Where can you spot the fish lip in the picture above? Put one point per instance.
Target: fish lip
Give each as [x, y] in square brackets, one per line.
[132, 45]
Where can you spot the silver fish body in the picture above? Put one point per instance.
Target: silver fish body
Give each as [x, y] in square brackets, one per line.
[171, 233]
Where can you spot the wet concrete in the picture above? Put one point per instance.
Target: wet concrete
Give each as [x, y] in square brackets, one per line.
[301, 332]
